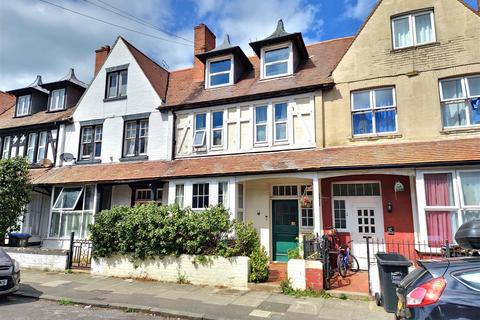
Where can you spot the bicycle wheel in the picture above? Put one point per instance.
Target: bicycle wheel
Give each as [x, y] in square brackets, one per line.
[353, 264]
[341, 266]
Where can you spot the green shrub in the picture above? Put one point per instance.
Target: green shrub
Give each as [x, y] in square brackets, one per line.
[258, 265]
[287, 289]
[294, 253]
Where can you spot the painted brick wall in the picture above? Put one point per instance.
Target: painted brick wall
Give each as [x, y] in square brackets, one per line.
[53, 262]
[219, 271]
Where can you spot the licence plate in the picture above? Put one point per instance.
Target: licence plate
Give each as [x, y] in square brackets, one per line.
[3, 283]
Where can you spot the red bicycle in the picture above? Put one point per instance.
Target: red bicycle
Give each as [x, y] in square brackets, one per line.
[340, 254]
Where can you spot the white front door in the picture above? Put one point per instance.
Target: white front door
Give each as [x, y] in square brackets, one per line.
[364, 218]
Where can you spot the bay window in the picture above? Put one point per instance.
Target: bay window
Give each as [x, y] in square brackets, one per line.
[261, 124]
[72, 211]
[57, 100]
[374, 111]
[199, 131]
[23, 105]
[457, 101]
[219, 72]
[450, 199]
[277, 61]
[217, 129]
[200, 195]
[91, 142]
[413, 29]
[280, 125]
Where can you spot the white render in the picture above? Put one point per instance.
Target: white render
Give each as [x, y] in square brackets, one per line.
[37, 260]
[141, 98]
[217, 271]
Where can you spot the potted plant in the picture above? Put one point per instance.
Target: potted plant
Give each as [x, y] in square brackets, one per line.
[305, 202]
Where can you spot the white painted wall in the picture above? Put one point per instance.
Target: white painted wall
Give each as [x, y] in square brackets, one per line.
[218, 271]
[41, 260]
[141, 98]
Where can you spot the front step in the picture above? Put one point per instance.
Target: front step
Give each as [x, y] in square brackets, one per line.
[278, 272]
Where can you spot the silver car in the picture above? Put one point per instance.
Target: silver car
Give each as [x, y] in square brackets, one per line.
[9, 274]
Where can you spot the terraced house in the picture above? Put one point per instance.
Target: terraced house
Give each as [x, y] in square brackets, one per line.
[376, 135]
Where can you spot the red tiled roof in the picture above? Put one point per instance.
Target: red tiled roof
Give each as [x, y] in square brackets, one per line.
[8, 120]
[314, 72]
[157, 75]
[406, 154]
[6, 101]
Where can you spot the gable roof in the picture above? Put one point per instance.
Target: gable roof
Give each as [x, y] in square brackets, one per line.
[156, 75]
[313, 74]
[6, 101]
[398, 155]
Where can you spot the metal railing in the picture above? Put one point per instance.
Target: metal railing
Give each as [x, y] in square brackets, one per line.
[79, 254]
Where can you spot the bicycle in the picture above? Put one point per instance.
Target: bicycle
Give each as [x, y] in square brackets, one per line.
[346, 261]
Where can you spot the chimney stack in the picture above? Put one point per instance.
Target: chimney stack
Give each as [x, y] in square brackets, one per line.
[100, 57]
[204, 41]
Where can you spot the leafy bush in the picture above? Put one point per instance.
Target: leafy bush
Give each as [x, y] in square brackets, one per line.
[14, 193]
[258, 265]
[294, 253]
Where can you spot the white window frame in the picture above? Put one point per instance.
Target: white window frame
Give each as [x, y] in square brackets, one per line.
[144, 201]
[120, 75]
[466, 98]
[212, 129]
[200, 131]
[126, 138]
[24, 105]
[209, 74]
[180, 196]
[57, 100]
[275, 122]
[289, 61]
[261, 124]
[32, 137]
[373, 109]
[63, 211]
[42, 145]
[144, 136]
[413, 31]
[208, 184]
[458, 205]
[6, 147]
[138, 124]
[225, 193]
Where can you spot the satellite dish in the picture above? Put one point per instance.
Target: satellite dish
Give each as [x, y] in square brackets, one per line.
[67, 157]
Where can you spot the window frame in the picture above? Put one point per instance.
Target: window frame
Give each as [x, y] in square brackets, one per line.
[94, 141]
[28, 98]
[59, 106]
[213, 130]
[202, 131]
[137, 138]
[180, 195]
[412, 27]
[118, 94]
[289, 61]
[275, 122]
[206, 187]
[224, 194]
[39, 146]
[33, 148]
[7, 150]
[466, 98]
[209, 75]
[260, 124]
[373, 109]
[150, 200]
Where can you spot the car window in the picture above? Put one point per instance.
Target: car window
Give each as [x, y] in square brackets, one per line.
[470, 278]
[412, 276]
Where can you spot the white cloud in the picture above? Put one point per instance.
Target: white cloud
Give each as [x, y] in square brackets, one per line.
[250, 20]
[37, 38]
[358, 9]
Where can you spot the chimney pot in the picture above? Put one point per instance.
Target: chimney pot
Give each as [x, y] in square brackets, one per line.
[204, 41]
[100, 57]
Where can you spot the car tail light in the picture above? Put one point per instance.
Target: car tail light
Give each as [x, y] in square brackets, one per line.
[427, 293]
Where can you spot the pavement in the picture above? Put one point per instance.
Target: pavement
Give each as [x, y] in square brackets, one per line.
[20, 308]
[188, 301]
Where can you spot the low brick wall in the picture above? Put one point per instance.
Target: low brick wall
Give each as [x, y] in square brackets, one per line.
[39, 258]
[305, 274]
[217, 271]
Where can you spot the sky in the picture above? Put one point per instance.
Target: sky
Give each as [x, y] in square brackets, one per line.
[39, 38]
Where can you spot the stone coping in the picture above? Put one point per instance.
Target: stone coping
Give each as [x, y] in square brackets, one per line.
[36, 250]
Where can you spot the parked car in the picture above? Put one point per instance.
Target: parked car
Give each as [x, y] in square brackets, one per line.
[444, 289]
[9, 274]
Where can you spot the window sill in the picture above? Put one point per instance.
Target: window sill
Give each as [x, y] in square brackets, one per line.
[54, 111]
[472, 129]
[94, 161]
[134, 158]
[414, 47]
[376, 137]
[290, 75]
[115, 99]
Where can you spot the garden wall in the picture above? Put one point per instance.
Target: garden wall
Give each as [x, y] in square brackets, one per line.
[217, 271]
[39, 258]
[304, 274]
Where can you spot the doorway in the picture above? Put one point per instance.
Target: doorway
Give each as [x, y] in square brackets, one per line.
[284, 228]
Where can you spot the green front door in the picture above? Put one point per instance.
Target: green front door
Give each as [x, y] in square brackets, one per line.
[285, 228]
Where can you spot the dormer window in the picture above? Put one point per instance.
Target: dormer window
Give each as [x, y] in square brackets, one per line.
[413, 29]
[219, 72]
[277, 61]
[57, 100]
[23, 105]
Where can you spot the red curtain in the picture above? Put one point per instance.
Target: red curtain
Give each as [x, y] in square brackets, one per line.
[439, 228]
[438, 189]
